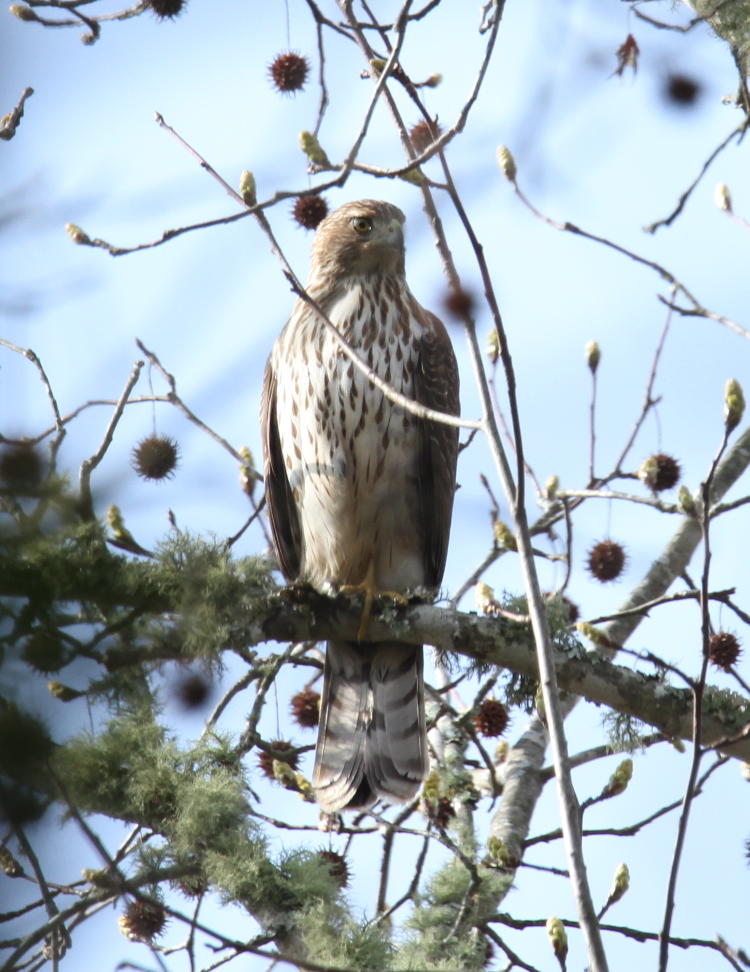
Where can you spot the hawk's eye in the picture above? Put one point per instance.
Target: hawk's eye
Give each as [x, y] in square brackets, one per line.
[362, 225]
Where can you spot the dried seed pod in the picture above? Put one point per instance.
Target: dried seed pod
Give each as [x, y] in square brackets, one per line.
[724, 650]
[337, 866]
[288, 72]
[660, 472]
[142, 921]
[492, 718]
[156, 457]
[606, 560]
[310, 211]
[284, 752]
[305, 706]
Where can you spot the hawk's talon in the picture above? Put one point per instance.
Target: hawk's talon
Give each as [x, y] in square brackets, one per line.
[368, 588]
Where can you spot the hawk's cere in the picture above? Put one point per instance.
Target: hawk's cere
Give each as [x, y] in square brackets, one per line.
[359, 490]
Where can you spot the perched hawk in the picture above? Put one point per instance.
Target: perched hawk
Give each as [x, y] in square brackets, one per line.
[359, 491]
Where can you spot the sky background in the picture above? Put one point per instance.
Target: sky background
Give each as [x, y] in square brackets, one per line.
[609, 154]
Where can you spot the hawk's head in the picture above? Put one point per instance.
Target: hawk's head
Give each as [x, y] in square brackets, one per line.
[361, 237]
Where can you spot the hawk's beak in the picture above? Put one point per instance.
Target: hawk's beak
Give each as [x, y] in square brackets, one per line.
[394, 234]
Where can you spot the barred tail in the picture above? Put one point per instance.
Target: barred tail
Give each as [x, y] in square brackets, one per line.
[372, 741]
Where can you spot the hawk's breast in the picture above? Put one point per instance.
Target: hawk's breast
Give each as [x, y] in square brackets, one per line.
[351, 455]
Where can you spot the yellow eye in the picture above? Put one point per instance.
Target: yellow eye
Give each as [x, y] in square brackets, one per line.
[362, 225]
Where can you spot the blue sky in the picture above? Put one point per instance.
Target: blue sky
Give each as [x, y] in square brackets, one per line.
[609, 154]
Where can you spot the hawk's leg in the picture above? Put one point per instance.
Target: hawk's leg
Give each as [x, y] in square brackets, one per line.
[370, 591]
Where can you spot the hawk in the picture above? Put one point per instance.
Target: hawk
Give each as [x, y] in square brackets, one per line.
[359, 490]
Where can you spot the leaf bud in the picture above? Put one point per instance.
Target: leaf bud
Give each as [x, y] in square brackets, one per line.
[23, 12]
[247, 188]
[484, 598]
[500, 854]
[551, 487]
[722, 197]
[506, 163]
[76, 234]
[558, 939]
[312, 149]
[415, 176]
[504, 535]
[493, 346]
[734, 404]
[63, 692]
[593, 355]
[618, 781]
[620, 884]
[686, 502]
[434, 80]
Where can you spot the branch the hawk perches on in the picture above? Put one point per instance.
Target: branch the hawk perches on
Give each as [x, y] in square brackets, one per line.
[359, 490]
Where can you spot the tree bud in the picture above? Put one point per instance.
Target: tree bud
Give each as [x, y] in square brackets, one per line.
[722, 197]
[247, 188]
[593, 355]
[558, 939]
[506, 162]
[76, 234]
[311, 147]
[734, 404]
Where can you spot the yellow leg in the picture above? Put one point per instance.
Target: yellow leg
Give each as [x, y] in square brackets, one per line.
[370, 591]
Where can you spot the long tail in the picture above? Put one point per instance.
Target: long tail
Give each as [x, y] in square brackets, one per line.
[371, 741]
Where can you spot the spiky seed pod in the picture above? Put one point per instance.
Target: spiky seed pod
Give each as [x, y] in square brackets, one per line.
[310, 211]
[192, 690]
[305, 706]
[459, 303]
[21, 466]
[682, 90]
[660, 472]
[423, 134]
[606, 560]
[724, 650]
[193, 885]
[142, 921]
[438, 809]
[44, 651]
[156, 457]
[288, 72]
[283, 752]
[337, 866]
[491, 718]
[166, 8]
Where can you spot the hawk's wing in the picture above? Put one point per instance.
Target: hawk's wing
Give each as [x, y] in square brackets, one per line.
[282, 510]
[436, 386]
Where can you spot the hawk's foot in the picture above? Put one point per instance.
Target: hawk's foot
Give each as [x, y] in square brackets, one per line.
[368, 588]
